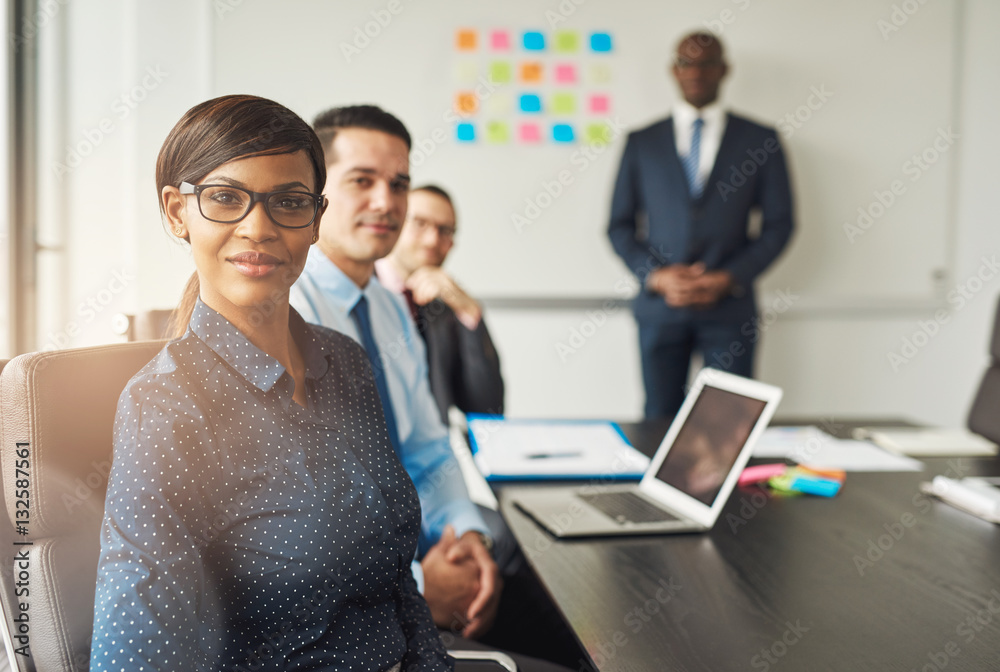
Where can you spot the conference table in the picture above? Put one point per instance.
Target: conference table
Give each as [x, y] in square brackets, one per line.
[880, 577]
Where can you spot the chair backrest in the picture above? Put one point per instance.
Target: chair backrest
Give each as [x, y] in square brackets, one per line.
[57, 413]
[984, 417]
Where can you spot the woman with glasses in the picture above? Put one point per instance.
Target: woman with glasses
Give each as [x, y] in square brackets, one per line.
[256, 517]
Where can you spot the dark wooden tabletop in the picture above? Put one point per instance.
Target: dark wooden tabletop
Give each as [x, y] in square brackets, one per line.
[880, 577]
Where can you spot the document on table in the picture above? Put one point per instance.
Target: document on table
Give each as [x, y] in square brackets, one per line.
[552, 449]
[815, 448]
[928, 441]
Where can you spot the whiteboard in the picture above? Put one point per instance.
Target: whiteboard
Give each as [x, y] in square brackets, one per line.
[887, 78]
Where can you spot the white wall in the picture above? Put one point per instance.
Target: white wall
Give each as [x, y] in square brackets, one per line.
[103, 215]
[828, 361]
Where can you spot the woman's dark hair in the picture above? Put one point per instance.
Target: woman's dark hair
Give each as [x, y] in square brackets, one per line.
[221, 130]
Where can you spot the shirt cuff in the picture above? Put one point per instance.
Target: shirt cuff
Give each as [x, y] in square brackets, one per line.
[418, 575]
[468, 321]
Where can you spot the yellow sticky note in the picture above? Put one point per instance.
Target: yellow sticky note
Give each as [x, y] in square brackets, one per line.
[497, 133]
[564, 103]
[466, 73]
[599, 73]
[499, 104]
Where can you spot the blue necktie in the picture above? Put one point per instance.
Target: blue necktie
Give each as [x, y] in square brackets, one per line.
[362, 319]
[692, 159]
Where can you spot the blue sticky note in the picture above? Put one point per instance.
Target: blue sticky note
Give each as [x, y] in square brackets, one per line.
[465, 132]
[531, 103]
[534, 41]
[600, 42]
[562, 133]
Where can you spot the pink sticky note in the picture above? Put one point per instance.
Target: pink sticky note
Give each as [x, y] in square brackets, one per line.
[530, 133]
[760, 472]
[500, 40]
[600, 104]
[566, 73]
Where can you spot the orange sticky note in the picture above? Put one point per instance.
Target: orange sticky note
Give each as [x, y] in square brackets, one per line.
[466, 102]
[531, 71]
[465, 40]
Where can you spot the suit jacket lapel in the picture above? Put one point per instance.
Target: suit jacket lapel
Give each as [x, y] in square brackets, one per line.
[673, 166]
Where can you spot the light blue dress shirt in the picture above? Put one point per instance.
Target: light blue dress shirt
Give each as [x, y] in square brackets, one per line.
[324, 295]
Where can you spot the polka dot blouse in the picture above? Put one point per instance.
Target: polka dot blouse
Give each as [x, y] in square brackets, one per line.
[245, 532]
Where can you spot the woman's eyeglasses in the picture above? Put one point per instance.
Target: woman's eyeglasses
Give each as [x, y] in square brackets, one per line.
[227, 204]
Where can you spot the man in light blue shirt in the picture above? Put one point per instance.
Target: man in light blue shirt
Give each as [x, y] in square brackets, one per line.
[367, 152]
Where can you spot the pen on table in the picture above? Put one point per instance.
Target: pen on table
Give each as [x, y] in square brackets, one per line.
[545, 456]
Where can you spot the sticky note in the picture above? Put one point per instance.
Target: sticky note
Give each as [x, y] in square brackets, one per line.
[500, 40]
[564, 103]
[497, 133]
[465, 132]
[599, 104]
[465, 40]
[466, 73]
[562, 133]
[600, 42]
[599, 73]
[530, 103]
[567, 40]
[597, 134]
[533, 41]
[531, 72]
[499, 104]
[566, 73]
[529, 133]
[500, 72]
[466, 102]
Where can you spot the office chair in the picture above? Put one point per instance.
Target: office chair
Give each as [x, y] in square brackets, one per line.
[57, 412]
[984, 416]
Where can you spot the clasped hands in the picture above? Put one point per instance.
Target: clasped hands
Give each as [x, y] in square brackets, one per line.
[690, 285]
[431, 282]
[462, 584]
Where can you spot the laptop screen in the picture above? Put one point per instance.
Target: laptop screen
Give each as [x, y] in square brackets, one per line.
[709, 442]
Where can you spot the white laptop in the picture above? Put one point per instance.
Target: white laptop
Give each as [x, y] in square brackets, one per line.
[690, 478]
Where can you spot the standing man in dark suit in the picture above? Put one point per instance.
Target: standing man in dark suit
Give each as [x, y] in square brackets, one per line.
[679, 219]
[463, 365]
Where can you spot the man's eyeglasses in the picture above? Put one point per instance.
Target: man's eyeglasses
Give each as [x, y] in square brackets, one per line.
[685, 64]
[445, 231]
[227, 204]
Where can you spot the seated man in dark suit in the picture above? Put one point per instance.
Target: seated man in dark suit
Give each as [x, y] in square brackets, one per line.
[463, 364]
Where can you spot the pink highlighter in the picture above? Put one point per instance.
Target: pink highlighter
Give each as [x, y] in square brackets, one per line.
[760, 472]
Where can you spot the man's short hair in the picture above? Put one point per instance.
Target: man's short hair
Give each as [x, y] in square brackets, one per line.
[436, 190]
[327, 124]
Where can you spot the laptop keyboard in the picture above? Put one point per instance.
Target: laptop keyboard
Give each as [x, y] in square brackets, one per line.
[627, 507]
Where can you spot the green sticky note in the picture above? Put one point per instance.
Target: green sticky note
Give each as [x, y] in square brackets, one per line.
[567, 40]
[597, 134]
[497, 133]
[564, 103]
[500, 72]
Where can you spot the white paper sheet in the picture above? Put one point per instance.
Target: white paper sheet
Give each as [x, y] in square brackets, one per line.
[553, 449]
[815, 448]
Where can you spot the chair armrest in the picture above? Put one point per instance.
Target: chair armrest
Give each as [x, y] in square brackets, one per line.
[501, 659]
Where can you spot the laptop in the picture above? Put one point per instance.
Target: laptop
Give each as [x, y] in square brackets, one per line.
[689, 479]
